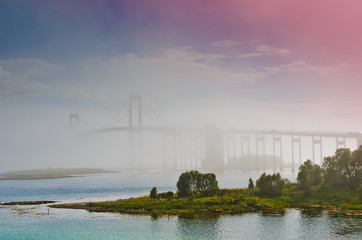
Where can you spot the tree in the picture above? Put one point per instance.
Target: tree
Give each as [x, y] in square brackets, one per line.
[251, 184]
[359, 192]
[153, 193]
[186, 183]
[193, 182]
[309, 175]
[343, 168]
[207, 184]
[270, 185]
[355, 169]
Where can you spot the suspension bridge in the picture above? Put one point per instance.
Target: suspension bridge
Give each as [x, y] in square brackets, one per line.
[210, 147]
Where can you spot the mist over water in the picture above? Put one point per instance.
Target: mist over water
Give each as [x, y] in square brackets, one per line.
[33, 222]
[150, 89]
[42, 137]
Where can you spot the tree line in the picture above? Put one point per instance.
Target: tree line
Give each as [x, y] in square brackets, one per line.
[342, 170]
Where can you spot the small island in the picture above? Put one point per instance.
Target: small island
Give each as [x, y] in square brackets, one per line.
[49, 173]
[335, 187]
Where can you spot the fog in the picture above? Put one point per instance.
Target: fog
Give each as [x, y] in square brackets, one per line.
[40, 136]
[228, 72]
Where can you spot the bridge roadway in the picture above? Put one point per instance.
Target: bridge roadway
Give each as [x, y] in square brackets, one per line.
[171, 130]
[214, 141]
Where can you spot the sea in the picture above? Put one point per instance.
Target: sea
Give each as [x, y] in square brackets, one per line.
[42, 222]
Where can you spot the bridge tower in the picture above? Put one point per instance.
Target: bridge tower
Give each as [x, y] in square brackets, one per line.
[73, 117]
[138, 100]
[135, 124]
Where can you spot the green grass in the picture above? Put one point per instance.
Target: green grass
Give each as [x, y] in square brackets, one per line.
[231, 201]
[342, 198]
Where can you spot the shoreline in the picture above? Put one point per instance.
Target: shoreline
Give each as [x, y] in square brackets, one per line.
[27, 203]
[112, 204]
[249, 208]
[36, 178]
[51, 173]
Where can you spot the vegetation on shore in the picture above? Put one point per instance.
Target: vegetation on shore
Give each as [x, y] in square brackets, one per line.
[336, 186]
[229, 201]
[27, 203]
[49, 173]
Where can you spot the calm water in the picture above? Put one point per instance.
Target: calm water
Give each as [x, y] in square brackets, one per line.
[34, 222]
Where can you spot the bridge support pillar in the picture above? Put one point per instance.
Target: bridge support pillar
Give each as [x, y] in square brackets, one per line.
[315, 141]
[296, 139]
[214, 148]
[246, 139]
[359, 142]
[260, 138]
[277, 139]
[341, 141]
[230, 147]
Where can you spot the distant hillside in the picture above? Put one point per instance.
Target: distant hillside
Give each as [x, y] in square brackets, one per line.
[49, 173]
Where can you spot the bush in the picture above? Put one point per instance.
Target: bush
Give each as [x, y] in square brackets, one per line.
[167, 195]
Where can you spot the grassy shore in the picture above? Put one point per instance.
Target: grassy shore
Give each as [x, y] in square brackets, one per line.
[49, 173]
[27, 203]
[231, 201]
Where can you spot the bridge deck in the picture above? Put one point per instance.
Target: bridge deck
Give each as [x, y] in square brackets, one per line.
[174, 130]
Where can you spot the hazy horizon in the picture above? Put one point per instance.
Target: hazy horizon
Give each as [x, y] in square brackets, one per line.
[286, 65]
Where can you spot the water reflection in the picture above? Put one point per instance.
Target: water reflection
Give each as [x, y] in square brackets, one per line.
[312, 212]
[199, 225]
[345, 225]
[154, 216]
[274, 213]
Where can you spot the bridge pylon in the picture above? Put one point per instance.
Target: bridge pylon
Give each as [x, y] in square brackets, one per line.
[73, 117]
[135, 125]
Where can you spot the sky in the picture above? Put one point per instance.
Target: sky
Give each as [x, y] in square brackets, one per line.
[282, 64]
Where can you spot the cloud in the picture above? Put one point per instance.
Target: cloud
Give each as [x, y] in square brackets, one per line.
[4, 74]
[225, 43]
[26, 77]
[265, 50]
[176, 72]
[22, 67]
[302, 66]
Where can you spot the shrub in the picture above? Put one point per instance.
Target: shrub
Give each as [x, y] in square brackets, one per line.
[167, 195]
